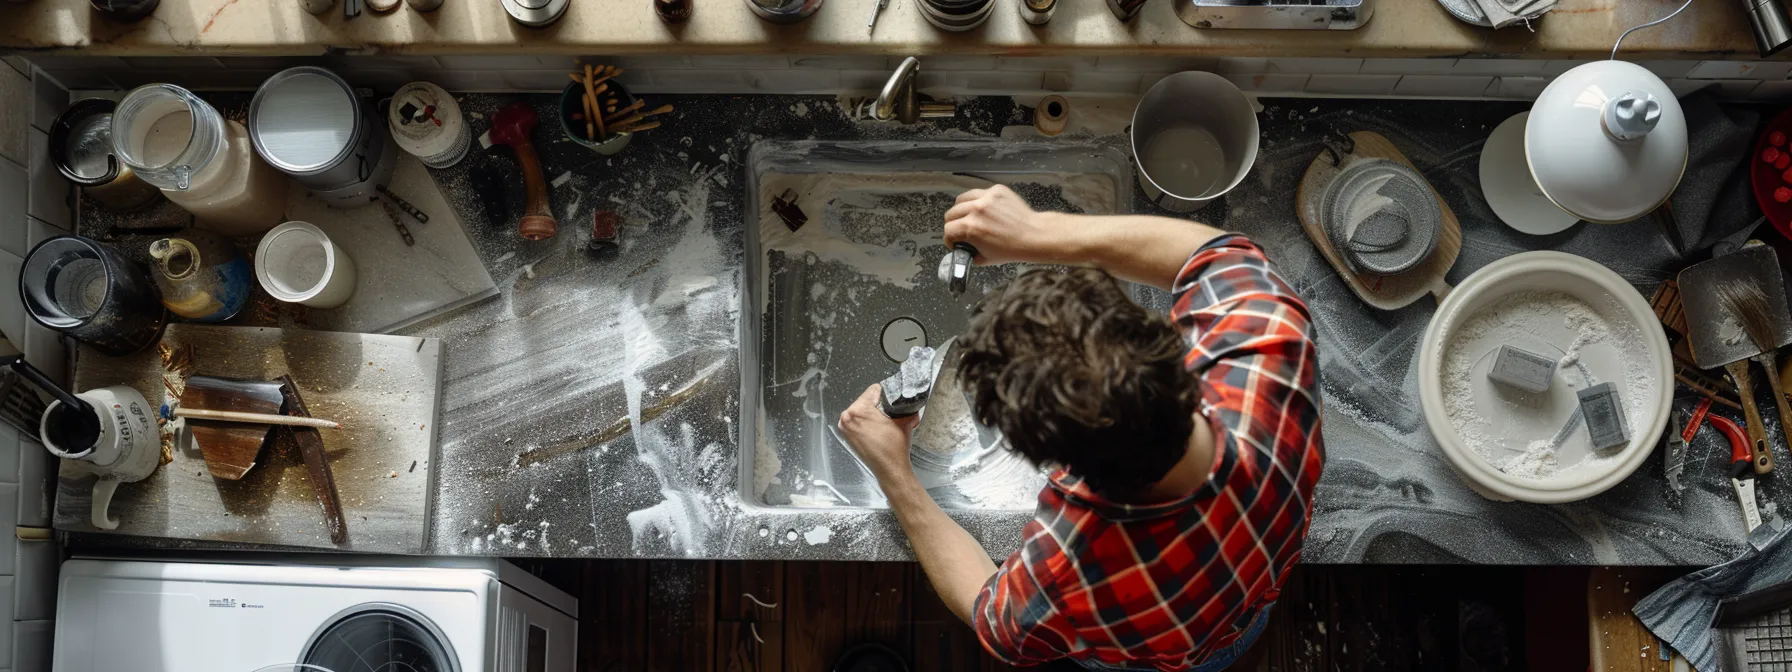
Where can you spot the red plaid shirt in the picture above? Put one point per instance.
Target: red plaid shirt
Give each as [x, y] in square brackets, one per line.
[1166, 584]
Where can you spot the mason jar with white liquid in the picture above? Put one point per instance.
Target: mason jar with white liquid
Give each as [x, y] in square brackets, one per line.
[200, 160]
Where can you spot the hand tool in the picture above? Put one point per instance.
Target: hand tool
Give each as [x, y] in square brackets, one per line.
[1714, 347]
[255, 418]
[511, 126]
[1674, 457]
[1748, 303]
[960, 273]
[317, 462]
[877, 7]
[1742, 477]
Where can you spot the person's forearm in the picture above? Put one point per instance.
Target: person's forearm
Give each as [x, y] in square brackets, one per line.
[1142, 248]
[953, 560]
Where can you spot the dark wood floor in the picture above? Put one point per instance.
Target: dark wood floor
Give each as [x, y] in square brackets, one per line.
[696, 616]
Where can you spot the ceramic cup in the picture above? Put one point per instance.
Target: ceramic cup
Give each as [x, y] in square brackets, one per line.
[297, 262]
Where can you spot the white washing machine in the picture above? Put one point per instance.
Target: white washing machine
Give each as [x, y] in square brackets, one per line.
[476, 615]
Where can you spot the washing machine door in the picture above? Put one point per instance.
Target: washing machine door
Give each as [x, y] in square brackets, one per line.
[380, 637]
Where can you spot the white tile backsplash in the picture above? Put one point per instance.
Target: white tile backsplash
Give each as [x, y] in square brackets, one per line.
[15, 203]
[34, 594]
[854, 74]
[32, 644]
[1442, 86]
[12, 320]
[48, 99]
[15, 114]
[1271, 83]
[1498, 66]
[1408, 66]
[36, 497]
[1740, 70]
[50, 191]
[1042, 63]
[43, 348]
[1353, 85]
[9, 453]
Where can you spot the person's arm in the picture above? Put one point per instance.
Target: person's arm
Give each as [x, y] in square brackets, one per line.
[952, 559]
[1141, 248]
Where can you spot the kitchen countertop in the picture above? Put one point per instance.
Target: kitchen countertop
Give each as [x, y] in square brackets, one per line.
[1411, 28]
[576, 341]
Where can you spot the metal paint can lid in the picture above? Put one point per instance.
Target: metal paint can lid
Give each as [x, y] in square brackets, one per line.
[304, 120]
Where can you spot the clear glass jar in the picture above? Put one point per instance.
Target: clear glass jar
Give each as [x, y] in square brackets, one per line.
[200, 160]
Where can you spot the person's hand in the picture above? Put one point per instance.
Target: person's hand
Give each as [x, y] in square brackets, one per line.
[879, 440]
[1003, 228]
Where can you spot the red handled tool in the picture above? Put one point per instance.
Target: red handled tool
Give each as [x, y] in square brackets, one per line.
[1742, 471]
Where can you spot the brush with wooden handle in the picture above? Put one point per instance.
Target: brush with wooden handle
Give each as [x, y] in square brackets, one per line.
[256, 418]
[1747, 302]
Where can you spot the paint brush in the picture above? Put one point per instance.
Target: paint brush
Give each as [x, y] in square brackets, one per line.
[1748, 303]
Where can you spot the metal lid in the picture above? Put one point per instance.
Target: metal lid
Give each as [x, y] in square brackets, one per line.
[1381, 215]
[304, 120]
[81, 142]
[535, 13]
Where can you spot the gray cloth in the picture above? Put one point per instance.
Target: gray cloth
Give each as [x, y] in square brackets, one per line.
[1714, 200]
[1681, 612]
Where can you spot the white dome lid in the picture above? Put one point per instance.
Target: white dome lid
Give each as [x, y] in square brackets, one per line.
[1606, 141]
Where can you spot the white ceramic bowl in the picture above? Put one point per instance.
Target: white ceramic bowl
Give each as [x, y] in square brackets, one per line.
[1592, 284]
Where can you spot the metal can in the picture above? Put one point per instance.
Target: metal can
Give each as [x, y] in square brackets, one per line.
[308, 123]
[426, 122]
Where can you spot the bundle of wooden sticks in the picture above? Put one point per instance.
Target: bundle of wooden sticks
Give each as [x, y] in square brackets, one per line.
[604, 114]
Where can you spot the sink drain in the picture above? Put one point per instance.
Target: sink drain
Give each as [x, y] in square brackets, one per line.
[900, 335]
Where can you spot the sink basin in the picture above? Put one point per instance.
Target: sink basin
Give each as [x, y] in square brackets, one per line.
[833, 305]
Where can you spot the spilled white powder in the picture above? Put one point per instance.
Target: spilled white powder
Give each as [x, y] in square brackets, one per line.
[1511, 429]
[818, 535]
[947, 425]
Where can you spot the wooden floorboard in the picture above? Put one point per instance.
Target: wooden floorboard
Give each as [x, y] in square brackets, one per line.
[692, 616]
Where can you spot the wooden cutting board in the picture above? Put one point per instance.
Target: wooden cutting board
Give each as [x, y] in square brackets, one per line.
[383, 389]
[1387, 292]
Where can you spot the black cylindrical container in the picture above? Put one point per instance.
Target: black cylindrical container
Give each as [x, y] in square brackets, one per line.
[82, 288]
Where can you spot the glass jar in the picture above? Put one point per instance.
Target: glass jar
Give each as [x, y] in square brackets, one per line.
[200, 160]
[201, 275]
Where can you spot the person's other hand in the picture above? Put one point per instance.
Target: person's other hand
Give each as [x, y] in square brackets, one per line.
[1003, 228]
[879, 440]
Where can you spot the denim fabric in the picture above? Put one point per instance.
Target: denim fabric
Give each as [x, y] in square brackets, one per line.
[1220, 659]
[1681, 612]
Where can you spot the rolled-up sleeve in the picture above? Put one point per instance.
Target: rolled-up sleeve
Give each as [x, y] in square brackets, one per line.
[1015, 620]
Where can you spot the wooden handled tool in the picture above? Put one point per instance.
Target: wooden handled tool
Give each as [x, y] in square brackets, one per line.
[1757, 433]
[511, 126]
[317, 462]
[256, 418]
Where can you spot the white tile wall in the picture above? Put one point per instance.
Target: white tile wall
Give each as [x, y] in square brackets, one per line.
[34, 201]
[1501, 78]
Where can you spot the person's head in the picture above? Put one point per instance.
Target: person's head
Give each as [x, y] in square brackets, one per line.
[1073, 372]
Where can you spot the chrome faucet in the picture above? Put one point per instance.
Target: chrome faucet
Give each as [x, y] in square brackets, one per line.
[899, 102]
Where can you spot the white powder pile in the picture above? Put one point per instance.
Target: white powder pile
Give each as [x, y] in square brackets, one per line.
[1512, 430]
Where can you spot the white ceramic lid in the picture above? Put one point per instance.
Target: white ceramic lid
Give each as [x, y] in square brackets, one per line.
[1606, 141]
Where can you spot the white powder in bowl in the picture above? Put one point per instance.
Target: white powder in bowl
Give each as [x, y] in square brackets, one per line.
[1511, 429]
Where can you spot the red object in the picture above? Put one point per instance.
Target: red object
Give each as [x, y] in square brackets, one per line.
[1770, 155]
[1783, 162]
[511, 126]
[603, 229]
[1787, 176]
[1698, 416]
[1741, 461]
[1782, 195]
[1766, 181]
[1163, 585]
[1776, 138]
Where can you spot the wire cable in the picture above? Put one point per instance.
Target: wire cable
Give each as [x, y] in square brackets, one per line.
[1656, 22]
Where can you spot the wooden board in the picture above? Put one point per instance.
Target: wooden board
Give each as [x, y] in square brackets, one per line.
[397, 285]
[383, 389]
[1387, 292]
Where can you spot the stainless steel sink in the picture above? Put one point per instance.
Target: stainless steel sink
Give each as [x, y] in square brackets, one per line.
[833, 306]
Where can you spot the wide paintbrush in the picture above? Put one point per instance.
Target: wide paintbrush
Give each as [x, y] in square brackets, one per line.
[1747, 302]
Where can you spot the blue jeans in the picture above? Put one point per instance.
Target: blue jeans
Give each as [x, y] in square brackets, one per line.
[1220, 659]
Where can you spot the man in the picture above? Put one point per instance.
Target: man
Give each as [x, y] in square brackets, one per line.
[1188, 447]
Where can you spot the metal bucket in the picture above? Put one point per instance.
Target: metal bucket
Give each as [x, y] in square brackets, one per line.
[308, 123]
[1194, 137]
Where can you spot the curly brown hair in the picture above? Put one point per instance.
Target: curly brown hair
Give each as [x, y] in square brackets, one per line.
[1075, 373]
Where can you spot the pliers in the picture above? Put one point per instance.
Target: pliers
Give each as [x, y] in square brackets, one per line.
[1742, 469]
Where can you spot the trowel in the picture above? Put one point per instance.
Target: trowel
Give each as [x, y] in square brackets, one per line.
[905, 394]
